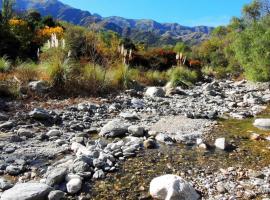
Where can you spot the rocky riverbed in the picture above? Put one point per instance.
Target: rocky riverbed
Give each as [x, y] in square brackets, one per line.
[111, 148]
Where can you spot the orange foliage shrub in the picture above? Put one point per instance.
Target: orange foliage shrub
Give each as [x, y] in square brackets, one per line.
[17, 22]
[48, 31]
[194, 63]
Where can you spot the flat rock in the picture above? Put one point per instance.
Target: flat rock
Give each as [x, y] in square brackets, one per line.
[114, 128]
[262, 123]
[181, 128]
[27, 191]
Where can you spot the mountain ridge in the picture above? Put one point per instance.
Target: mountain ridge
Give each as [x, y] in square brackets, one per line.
[140, 30]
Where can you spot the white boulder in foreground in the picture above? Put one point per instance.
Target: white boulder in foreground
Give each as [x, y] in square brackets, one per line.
[220, 143]
[172, 187]
[27, 191]
[262, 123]
[155, 92]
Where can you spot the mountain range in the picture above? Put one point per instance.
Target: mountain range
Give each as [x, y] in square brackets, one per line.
[143, 30]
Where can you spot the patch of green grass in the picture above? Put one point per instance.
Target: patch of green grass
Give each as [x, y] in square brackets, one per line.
[5, 64]
[182, 75]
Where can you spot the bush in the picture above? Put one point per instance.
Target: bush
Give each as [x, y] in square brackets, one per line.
[252, 48]
[27, 72]
[182, 76]
[4, 64]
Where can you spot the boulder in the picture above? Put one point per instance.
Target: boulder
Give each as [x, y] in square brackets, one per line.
[220, 143]
[39, 87]
[4, 184]
[23, 132]
[74, 185]
[7, 125]
[14, 170]
[56, 176]
[114, 128]
[27, 191]
[155, 92]
[262, 123]
[172, 187]
[136, 131]
[39, 114]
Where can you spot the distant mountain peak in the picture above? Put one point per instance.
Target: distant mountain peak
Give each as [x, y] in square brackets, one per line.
[142, 30]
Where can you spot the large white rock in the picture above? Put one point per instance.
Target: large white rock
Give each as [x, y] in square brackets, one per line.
[172, 187]
[27, 191]
[38, 86]
[262, 123]
[155, 92]
[220, 143]
[74, 185]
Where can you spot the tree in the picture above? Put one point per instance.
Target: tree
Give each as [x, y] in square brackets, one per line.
[252, 11]
[7, 11]
[252, 49]
[48, 21]
[220, 31]
[34, 19]
[181, 47]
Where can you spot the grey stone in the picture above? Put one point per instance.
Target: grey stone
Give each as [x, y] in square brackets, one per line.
[39, 114]
[129, 116]
[14, 170]
[115, 128]
[7, 125]
[56, 176]
[136, 131]
[27, 191]
[155, 92]
[99, 174]
[54, 133]
[38, 86]
[56, 195]
[22, 132]
[5, 184]
[81, 166]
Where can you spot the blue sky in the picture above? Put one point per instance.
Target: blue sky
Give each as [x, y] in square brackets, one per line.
[185, 12]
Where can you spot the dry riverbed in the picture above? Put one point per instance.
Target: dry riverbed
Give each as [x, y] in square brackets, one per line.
[112, 148]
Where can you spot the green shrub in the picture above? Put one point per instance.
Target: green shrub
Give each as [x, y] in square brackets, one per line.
[156, 78]
[181, 75]
[5, 65]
